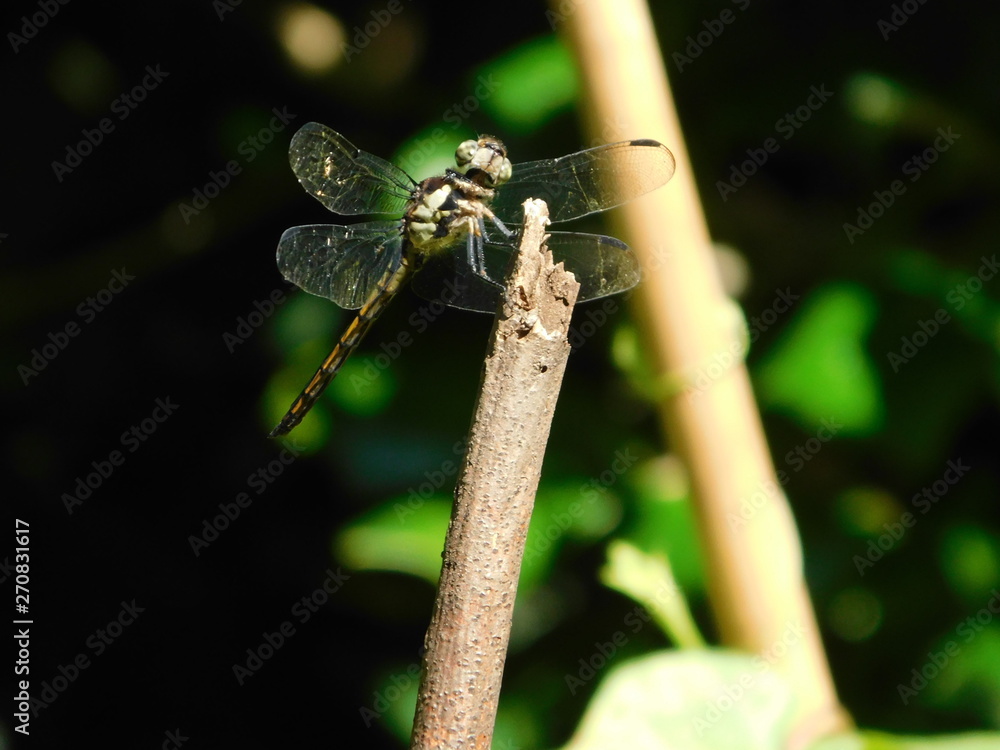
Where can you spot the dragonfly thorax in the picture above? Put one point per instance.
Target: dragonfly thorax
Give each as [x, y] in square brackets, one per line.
[444, 210]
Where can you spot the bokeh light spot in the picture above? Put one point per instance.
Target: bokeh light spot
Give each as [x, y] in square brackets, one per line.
[855, 614]
[873, 99]
[312, 38]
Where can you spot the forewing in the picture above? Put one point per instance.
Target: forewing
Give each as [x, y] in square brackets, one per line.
[344, 178]
[346, 264]
[586, 182]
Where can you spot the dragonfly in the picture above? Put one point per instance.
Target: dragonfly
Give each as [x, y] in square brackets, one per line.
[452, 235]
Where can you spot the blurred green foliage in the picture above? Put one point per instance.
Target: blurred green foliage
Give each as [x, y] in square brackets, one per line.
[819, 364]
[825, 359]
[819, 368]
[894, 335]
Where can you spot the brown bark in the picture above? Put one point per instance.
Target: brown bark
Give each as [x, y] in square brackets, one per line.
[466, 644]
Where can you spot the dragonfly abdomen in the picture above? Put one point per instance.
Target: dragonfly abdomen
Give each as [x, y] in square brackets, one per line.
[348, 342]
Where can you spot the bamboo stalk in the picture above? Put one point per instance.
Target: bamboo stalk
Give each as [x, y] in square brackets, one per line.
[466, 644]
[756, 583]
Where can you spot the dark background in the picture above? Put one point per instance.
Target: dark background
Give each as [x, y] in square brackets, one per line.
[164, 336]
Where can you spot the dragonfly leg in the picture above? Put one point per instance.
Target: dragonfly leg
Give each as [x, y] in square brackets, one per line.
[480, 255]
[501, 226]
[474, 255]
[475, 242]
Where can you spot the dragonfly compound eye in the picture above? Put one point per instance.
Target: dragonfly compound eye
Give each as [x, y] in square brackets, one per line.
[487, 167]
[465, 151]
[503, 173]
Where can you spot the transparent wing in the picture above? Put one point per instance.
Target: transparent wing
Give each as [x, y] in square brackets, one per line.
[345, 264]
[344, 178]
[448, 278]
[602, 265]
[586, 182]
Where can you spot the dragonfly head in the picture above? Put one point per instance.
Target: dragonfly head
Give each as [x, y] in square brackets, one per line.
[484, 161]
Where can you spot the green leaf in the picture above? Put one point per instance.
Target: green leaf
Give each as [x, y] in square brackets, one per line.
[398, 537]
[526, 87]
[875, 99]
[661, 518]
[696, 700]
[564, 511]
[880, 741]
[970, 559]
[819, 367]
[363, 387]
[307, 319]
[649, 580]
